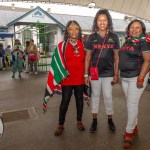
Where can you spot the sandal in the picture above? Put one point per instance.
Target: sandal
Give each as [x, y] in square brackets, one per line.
[127, 142]
[135, 132]
[59, 130]
[80, 126]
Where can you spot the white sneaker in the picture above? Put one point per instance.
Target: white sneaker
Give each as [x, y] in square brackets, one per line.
[36, 72]
[30, 72]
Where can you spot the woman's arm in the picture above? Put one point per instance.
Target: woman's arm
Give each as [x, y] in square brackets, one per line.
[21, 49]
[28, 49]
[31, 50]
[87, 64]
[36, 50]
[116, 67]
[144, 70]
[14, 49]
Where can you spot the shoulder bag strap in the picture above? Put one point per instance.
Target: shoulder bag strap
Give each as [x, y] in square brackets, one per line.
[100, 51]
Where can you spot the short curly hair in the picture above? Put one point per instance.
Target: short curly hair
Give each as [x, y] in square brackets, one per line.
[66, 35]
[110, 23]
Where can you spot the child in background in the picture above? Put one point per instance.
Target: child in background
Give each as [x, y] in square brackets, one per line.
[17, 55]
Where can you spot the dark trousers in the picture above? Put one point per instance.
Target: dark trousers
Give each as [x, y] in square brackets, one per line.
[31, 62]
[66, 96]
[3, 60]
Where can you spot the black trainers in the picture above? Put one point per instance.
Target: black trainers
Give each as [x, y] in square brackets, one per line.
[93, 127]
[111, 126]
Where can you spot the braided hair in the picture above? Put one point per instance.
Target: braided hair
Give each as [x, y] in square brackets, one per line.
[110, 24]
[66, 35]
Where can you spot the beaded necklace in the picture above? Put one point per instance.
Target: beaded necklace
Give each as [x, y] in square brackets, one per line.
[74, 46]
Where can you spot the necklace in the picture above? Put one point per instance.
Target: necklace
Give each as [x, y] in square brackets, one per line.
[72, 42]
[74, 46]
[102, 35]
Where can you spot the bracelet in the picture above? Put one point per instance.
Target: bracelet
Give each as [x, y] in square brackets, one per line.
[140, 80]
[116, 75]
[86, 75]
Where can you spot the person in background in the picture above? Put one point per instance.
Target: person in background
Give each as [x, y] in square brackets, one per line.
[134, 65]
[2, 53]
[26, 57]
[73, 54]
[17, 55]
[8, 54]
[32, 55]
[4, 59]
[102, 54]
[84, 39]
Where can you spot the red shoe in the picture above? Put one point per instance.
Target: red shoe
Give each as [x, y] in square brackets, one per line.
[80, 126]
[127, 142]
[135, 131]
[59, 130]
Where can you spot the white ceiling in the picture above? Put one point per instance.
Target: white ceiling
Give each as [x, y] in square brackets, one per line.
[137, 8]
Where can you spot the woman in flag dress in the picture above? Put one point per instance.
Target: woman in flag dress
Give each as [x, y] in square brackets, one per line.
[134, 65]
[73, 53]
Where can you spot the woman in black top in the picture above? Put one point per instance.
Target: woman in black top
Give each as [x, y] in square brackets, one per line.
[101, 52]
[134, 64]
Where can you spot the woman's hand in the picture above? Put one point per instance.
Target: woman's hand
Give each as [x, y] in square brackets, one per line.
[87, 81]
[115, 79]
[139, 85]
[144, 70]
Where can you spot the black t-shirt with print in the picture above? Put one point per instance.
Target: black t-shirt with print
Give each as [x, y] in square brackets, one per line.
[106, 61]
[131, 59]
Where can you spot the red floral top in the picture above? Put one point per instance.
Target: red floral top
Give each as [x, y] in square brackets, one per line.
[75, 64]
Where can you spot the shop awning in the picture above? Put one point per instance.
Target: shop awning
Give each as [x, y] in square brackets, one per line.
[6, 35]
